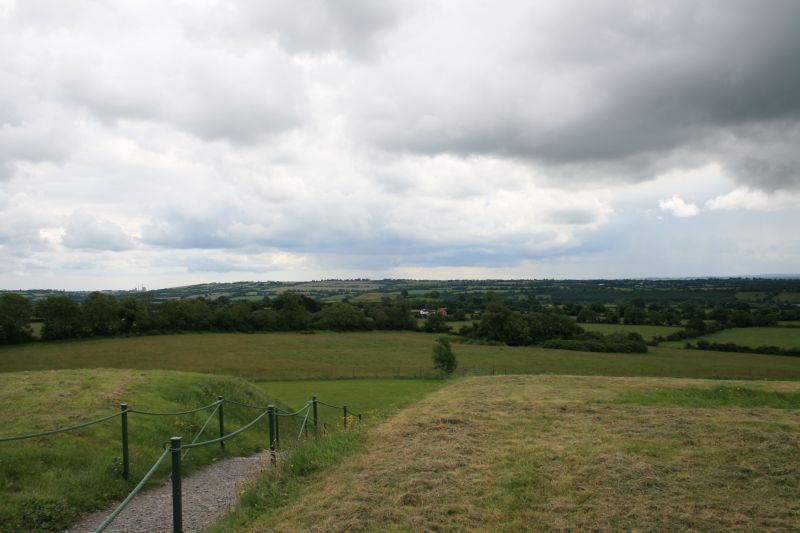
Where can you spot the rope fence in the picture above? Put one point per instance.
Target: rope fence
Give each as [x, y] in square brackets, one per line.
[178, 450]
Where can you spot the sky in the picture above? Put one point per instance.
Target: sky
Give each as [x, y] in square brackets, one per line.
[164, 143]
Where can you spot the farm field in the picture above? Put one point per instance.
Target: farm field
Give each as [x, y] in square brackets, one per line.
[648, 332]
[374, 354]
[370, 397]
[48, 482]
[752, 337]
[512, 453]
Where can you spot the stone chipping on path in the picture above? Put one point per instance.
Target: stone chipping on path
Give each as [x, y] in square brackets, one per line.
[208, 495]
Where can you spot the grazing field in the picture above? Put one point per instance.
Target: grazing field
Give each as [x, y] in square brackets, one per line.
[752, 337]
[563, 453]
[374, 354]
[47, 482]
[648, 332]
[371, 397]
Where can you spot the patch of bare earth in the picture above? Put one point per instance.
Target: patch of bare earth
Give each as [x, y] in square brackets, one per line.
[541, 453]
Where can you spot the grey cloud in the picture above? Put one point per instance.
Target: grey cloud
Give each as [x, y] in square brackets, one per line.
[214, 96]
[615, 83]
[32, 143]
[85, 232]
[318, 26]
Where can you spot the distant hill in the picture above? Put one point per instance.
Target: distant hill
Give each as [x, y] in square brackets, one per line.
[753, 289]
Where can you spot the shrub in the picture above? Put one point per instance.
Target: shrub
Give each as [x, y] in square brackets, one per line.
[444, 360]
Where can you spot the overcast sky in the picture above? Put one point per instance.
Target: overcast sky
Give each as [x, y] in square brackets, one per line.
[173, 142]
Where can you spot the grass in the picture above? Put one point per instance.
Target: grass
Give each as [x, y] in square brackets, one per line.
[310, 460]
[753, 337]
[719, 396]
[46, 483]
[370, 397]
[648, 332]
[374, 354]
[540, 453]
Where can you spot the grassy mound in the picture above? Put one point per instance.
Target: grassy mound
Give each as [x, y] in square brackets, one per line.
[46, 483]
[557, 453]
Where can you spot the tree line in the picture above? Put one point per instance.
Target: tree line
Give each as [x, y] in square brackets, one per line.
[101, 315]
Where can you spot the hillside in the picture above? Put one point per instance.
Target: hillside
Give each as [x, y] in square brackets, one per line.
[567, 453]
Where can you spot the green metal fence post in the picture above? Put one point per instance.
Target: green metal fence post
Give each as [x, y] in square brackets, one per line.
[126, 462]
[277, 430]
[316, 418]
[221, 401]
[177, 510]
[344, 418]
[271, 417]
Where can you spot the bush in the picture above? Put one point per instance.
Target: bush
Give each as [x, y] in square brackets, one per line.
[613, 343]
[444, 360]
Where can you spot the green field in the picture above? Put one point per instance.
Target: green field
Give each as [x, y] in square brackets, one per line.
[561, 453]
[370, 397]
[374, 354]
[510, 451]
[47, 482]
[752, 337]
[648, 332]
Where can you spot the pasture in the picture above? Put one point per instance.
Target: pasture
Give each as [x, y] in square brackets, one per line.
[278, 356]
[754, 337]
[371, 397]
[513, 453]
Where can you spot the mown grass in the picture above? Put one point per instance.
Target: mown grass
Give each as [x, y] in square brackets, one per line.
[752, 337]
[540, 453]
[374, 354]
[311, 459]
[648, 332]
[46, 483]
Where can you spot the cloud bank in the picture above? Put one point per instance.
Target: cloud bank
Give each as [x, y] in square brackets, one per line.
[174, 141]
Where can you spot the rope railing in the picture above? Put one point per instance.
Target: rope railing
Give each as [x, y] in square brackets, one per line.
[178, 450]
[329, 405]
[242, 404]
[202, 429]
[110, 518]
[59, 430]
[286, 413]
[103, 419]
[225, 437]
[175, 413]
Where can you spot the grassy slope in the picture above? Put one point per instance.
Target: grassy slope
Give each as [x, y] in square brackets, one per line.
[374, 354]
[47, 482]
[559, 452]
[753, 337]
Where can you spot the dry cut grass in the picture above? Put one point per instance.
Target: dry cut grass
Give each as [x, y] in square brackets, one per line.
[557, 453]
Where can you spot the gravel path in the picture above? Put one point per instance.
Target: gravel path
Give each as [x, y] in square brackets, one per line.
[207, 496]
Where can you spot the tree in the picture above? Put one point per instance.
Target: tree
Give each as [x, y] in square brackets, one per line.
[134, 315]
[435, 323]
[293, 314]
[444, 360]
[62, 318]
[15, 318]
[101, 314]
[340, 316]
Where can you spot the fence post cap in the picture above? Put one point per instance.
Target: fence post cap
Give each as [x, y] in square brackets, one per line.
[175, 442]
